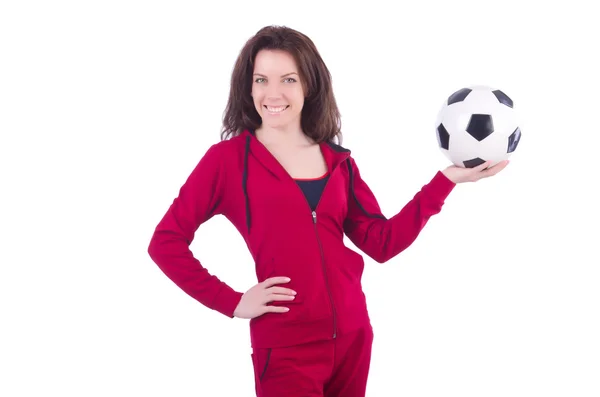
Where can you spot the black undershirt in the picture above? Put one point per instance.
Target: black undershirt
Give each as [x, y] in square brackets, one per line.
[312, 189]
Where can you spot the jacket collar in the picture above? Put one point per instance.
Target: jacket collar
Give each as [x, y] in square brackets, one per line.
[333, 153]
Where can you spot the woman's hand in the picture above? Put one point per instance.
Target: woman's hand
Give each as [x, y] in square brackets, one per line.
[254, 301]
[461, 175]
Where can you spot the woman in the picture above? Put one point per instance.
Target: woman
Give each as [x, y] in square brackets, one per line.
[281, 179]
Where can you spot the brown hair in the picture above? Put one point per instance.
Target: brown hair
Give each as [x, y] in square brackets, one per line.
[320, 119]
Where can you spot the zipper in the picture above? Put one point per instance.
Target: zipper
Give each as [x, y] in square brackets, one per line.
[314, 216]
[314, 220]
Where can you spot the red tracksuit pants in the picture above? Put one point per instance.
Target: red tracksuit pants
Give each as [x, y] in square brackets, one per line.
[334, 368]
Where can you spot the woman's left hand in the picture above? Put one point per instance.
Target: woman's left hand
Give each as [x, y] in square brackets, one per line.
[461, 175]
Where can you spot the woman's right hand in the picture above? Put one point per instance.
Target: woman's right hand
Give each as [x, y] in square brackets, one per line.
[254, 301]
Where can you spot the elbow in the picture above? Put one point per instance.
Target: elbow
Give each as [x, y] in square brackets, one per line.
[156, 246]
[152, 249]
[389, 251]
[167, 243]
[158, 252]
[382, 257]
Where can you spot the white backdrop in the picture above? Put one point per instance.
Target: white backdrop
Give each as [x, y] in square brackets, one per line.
[105, 108]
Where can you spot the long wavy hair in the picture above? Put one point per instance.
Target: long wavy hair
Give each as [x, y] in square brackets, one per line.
[320, 118]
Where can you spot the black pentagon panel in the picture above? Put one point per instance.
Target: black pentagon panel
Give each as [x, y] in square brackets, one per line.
[443, 137]
[513, 140]
[503, 98]
[480, 126]
[473, 162]
[459, 95]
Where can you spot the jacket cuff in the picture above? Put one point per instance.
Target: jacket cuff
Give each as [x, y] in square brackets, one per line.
[440, 186]
[226, 301]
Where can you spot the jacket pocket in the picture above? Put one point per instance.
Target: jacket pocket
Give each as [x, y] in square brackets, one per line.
[261, 359]
[352, 266]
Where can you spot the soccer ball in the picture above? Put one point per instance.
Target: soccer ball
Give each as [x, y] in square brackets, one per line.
[477, 124]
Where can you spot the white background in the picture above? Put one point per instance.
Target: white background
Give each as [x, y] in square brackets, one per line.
[105, 108]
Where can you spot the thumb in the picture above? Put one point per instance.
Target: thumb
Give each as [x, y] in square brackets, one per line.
[482, 166]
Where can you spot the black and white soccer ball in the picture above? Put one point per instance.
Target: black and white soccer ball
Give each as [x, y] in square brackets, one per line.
[478, 124]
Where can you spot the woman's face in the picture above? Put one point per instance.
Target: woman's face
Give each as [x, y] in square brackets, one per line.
[277, 91]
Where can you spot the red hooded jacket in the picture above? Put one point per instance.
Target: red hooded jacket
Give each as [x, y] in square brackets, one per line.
[241, 180]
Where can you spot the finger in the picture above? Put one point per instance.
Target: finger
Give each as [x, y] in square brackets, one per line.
[275, 309]
[481, 167]
[279, 297]
[495, 169]
[275, 280]
[281, 290]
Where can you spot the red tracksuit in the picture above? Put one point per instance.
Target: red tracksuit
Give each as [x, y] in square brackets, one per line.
[322, 345]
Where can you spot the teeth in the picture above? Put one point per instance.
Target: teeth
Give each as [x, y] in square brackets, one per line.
[276, 109]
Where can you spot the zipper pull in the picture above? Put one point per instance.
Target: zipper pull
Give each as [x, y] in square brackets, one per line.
[314, 214]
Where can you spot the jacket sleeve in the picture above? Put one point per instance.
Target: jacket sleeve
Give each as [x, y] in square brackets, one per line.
[200, 198]
[381, 238]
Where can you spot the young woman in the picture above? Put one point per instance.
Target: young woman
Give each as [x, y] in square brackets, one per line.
[280, 176]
